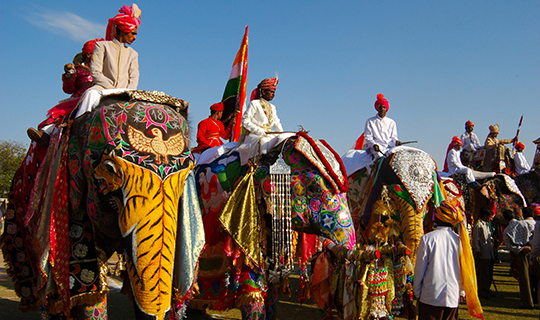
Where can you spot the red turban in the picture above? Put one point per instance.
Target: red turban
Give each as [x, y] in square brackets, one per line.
[266, 84]
[88, 47]
[469, 124]
[383, 101]
[217, 106]
[128, 20]
[520, 145]
[455, 142]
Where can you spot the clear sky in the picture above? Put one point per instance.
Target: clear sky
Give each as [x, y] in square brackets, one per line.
[439, 63]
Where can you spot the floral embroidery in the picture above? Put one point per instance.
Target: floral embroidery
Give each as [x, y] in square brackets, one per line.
[75, 232]
[87, 276]
[80, 250]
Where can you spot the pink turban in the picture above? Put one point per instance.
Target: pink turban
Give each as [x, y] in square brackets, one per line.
[266, 84]
[217, 106]
[88, 47]
[383, 101]
[128, 20]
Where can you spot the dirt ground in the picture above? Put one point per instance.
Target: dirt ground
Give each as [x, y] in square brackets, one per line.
[120, 307]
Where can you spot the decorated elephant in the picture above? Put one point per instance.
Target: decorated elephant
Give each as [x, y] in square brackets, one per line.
[113, 180]
[529, 185]
[249, 215]
[400, 188]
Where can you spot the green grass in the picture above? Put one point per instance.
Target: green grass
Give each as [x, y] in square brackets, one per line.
[507, 302]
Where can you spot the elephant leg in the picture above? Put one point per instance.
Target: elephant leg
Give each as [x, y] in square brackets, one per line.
[254, 311]
[271, 302]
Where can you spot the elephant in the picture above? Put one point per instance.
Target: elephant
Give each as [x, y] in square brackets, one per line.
[116, 179]
[391, 201]
[529, 185]
[250, 212]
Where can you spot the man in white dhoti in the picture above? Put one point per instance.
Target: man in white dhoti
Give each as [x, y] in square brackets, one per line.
[258, 120]
[380, 132]
[453, 164]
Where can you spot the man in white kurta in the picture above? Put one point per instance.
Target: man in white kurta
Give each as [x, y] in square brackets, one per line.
[522, 166]
[115, 66]
[437, 275]
[453, 164]
[258, 120]
[380, 132]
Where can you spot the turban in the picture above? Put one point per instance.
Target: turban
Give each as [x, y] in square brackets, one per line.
[383, 101]
[494, 128]
[455, 142]
[266, 84]
[128, 20]
[520, 145]
[469, 123]
[217, 106]
[88, 47]
[451, 212]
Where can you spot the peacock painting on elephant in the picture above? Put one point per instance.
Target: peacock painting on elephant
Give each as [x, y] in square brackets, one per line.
[117, 179]
[249, 215]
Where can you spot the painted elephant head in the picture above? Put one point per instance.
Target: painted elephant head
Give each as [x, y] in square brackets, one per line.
[393, 198]
[113, 182]
[131, 157]
[313, 190]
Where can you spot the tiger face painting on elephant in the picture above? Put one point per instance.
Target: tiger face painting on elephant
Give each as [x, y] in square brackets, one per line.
[249, 215]
[113, 179]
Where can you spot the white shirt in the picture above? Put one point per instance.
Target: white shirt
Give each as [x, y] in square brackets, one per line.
[255, 120]
[380, 131]
[454, 161]
[437, 276]
[522, 166]
[470, 141]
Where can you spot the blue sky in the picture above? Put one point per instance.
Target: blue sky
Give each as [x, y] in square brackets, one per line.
[439, 63]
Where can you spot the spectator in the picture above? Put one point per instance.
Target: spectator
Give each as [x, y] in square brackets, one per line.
[484, 256]
[444, 266]
[517, 238]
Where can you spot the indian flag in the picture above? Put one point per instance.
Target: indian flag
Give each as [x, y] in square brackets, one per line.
[234, 96]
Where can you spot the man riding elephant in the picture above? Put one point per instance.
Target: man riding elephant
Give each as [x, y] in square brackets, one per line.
[380, 132]
[258, 120]
[453, 164]
[470, 143]
[495, 149]
[115, 66]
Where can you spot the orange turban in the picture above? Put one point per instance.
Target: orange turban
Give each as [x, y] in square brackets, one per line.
[128, 20]
[520, 145]
[88, 47]
[469, 124]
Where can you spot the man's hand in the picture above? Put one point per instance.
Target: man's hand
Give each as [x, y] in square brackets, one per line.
[398, 143]
[376, 148]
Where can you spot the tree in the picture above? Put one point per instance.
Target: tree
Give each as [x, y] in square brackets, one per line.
[12, 154]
